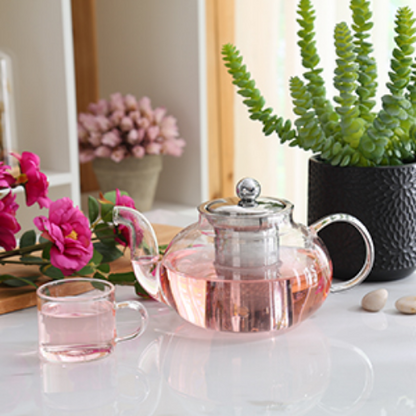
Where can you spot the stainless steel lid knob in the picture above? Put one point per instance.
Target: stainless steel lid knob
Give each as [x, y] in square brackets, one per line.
[248, 190]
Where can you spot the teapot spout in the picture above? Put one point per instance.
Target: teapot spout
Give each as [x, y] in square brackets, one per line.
[144, 248]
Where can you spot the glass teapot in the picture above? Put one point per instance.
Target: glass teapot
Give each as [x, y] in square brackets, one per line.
[245, 266]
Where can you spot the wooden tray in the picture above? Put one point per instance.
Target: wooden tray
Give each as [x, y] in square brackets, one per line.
[13, 299]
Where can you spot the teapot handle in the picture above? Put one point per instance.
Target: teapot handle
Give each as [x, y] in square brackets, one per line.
[144, 248]
[369, 247]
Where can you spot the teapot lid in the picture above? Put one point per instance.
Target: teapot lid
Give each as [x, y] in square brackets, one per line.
[247, 204]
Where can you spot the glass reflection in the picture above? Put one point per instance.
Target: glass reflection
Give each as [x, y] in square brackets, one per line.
[351, 380]
[83, 388]
[105, 387]
[290, 374]
[225, 374]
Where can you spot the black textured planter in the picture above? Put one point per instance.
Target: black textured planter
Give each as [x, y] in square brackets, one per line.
[384, 199]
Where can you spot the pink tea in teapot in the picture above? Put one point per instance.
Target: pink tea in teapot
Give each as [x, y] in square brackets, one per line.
[193, 287]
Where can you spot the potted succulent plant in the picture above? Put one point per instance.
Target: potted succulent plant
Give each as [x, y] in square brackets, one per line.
[125, 139]
[364, 161]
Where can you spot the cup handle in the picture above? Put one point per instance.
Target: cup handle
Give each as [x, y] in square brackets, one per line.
[137, 306]
[369, 247]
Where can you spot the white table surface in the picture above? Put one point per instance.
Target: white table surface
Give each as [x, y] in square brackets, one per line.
[342, 361]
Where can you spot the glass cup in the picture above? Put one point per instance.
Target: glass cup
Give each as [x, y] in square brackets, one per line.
[77, 319]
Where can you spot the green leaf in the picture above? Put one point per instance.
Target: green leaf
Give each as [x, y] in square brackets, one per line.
[138, 288]
[105, 233]
[32, 259]
[162, 248]
[367, 145]
[345, 160]
[5, 277]
[28, 239]
[93, 209]
[109, 253]
[52, 271]
[104, 267]
[97, 258]
[98, 285]
[107, 212]
[46, 253]
[336, 160]
[98, 275]
[122, 278]
[14, 281]
[336, 148]
[111, 196]
[85, 271]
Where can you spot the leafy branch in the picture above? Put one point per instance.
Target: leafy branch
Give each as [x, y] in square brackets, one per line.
[107, 241]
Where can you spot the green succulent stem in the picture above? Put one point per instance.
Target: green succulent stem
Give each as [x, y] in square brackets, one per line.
[350, 133]
[367, 67]
[310, 60]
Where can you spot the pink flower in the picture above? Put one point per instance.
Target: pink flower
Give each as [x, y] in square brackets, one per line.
[119, 153]
[144, 123]
[145, 108]
[135, 116]
[68, 229]
[82, 133]
[153, 148]
[173, 147]
[34, 181]
[130, 102]
[117, 102]
[88, 121]
[102, 151]
[126, 201]
[116, 118]
[153, 132]
[6, 179]
[133, 136]
[103, 123]
[159, 113]
[142, 133]
[111, 139]
[168, 127]
[138, 151]
[99, 109]
[8, 223]
[95, 139]
[9, 204]
[86, 155]
[121, 123]
[126, 124]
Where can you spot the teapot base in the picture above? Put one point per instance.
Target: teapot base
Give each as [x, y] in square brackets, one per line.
[207, 300]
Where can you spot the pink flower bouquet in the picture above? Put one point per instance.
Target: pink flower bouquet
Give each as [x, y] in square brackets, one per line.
[124, 127]
[69, 243]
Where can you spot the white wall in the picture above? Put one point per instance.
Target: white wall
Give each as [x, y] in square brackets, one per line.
[157, 48]
[269, 49]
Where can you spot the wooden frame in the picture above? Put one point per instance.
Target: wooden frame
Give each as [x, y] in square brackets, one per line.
[220, 27]
[86, 71]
